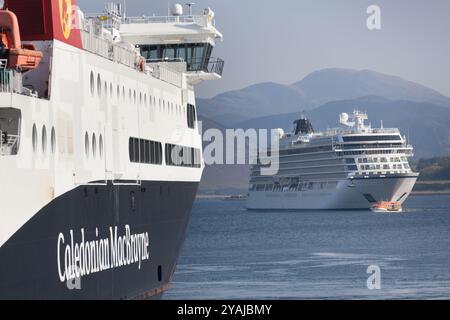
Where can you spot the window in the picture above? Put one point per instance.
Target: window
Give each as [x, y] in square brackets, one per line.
[92, 83]
[371, 138]
[196, 55]
[94, 145]
[191, 117]
[99, 85]
[86, 144]
[53, 140]
[182, 156]
[34, 138]
[100, 146]
[145, 151]
[44, 139]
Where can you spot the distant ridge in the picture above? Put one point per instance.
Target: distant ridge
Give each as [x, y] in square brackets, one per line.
[314, 90]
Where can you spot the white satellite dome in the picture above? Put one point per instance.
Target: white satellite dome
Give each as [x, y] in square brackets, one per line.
[177, 10]
[343, 117]
[279, 133]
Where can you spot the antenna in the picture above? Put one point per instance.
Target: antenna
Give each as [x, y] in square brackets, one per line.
[190, 5]
[382, 127]
[124, 8]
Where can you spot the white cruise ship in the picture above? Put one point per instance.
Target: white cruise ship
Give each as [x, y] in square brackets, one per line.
[100, 150]
[350, 167]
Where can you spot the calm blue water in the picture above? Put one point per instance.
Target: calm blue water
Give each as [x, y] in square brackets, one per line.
[232, 253]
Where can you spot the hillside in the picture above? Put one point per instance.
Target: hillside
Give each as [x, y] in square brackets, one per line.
[427, 126]
[314, 90]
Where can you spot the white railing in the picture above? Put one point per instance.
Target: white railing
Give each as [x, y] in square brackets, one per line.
[340, 131]
[7, 143]
[201, 20]
[10, 81]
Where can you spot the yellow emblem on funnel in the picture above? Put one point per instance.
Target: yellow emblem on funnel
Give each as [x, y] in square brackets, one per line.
[65, 15]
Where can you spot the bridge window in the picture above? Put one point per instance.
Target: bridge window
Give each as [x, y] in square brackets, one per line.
[196, 55]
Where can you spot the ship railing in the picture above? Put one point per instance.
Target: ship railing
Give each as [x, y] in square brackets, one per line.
[166, 72]
[214, 65]
[7, 143]
[11, 82]
[201, 20]
[341, 131]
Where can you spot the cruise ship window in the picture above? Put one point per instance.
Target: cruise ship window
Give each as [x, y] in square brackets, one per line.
[110, 90]
[106, 89]
[118, 92]
[134, 96]
[123, 93]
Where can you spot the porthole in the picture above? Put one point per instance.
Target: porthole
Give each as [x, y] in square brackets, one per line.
[53, 140]
[92, 83]
[34, 138]
[106, 89]
[118, 92]
[140, 98]
[129, 95]
[134, 96]
[99, 85]
[123, 93]
[44, 139]
[86, 144]
[110, 90]
[100, 146]
[94, 145]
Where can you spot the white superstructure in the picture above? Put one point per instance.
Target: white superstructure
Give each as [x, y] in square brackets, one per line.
[103, 109]
[349, 167]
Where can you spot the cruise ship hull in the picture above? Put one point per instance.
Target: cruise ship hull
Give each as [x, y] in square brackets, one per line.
[357, 193]
[36, 260]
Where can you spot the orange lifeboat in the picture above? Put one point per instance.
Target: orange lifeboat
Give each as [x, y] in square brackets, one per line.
[386, 206]
[24, 57]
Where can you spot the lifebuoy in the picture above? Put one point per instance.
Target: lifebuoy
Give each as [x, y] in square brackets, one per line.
[141, 65]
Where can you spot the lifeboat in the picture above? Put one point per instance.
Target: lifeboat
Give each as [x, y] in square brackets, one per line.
[19, 56]
[385, 206]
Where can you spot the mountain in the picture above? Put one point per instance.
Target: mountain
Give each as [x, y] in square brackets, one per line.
[314, 90]
[222, 178]
[427, 125]
[260, 99]
[328, 85]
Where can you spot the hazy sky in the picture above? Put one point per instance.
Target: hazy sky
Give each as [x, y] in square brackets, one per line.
[284, 40]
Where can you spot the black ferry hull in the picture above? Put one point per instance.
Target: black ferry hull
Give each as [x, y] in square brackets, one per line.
[33, 261]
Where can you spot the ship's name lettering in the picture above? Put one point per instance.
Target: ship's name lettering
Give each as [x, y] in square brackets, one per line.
[78, 259]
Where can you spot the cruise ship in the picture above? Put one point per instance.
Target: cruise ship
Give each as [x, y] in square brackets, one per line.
[352, 166]
[100, 150]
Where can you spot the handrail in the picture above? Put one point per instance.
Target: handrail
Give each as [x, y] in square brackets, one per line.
[11, 141]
